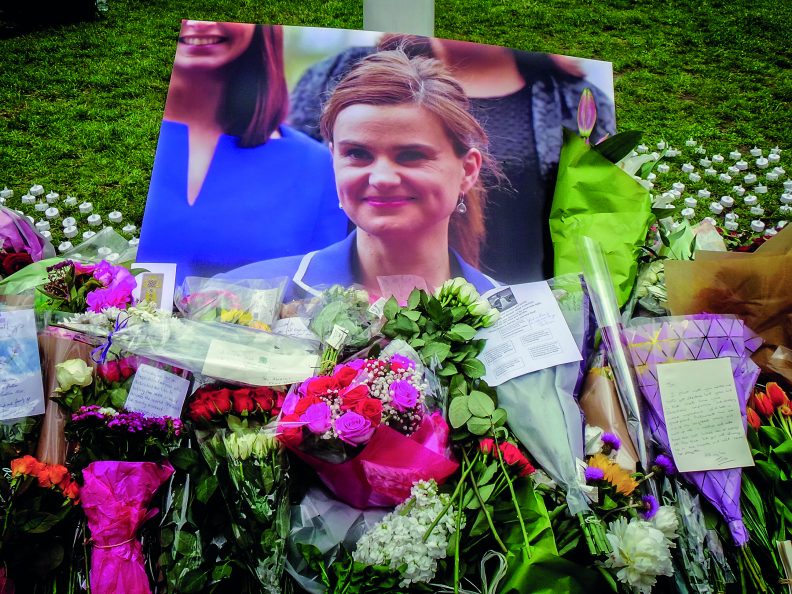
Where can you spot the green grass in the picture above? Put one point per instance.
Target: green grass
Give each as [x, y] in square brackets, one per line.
[80, 104]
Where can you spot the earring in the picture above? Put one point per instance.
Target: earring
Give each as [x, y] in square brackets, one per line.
[461, 208]
[341, 206]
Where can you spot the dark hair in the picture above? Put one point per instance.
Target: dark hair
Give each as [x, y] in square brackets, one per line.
[256, 98]
[393, 78]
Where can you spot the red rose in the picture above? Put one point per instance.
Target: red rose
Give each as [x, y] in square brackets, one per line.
[243, 402]
[511, 453]
[264, 398]
[345, 375]
[200, 408]
[371, 408]
[278, 405]
[319, 386]
[110, 371]
[351, 398]
[221, 400]
[304, 402]
[290, 431]
[127, 367]
[487, 445]
[12, 263]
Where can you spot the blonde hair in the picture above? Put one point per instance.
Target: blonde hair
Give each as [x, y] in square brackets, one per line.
[393, 78]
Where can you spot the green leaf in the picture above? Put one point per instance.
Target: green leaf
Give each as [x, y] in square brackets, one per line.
[461, 332]
[459, 312]
[458, 386]
[405, 325]
[480, 404]
[473, 368]
[411, 314]
[417, 343]
[486, 492]
[433, 350]
[184, 458]
[458, 411]
[206, 488]
[774, 434]
[488, 474]
[414, 299]
[391, 308]
[615, 148]
[478, 426]
[434, 309]
[448, 369]
[785, 449]
[39, 522]
[499, 416]
[118, 397]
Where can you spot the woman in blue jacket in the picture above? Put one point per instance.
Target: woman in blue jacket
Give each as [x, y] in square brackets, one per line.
[407, 156]
[231, 184]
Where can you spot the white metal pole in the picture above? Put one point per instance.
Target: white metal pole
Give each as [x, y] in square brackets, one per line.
[399, 16]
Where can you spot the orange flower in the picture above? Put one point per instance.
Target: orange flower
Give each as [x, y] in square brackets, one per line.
[761, 403]
[72, 491]
[785, 410]
[777, 396]
[753, 419]
[26, 465]
[619, 478]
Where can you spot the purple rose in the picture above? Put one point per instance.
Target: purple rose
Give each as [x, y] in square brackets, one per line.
[403, 394]
[353, 428]
[287, 408]
[317, 417]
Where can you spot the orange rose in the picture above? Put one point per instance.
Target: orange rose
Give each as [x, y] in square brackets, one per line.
[72, 491]
[26, 465]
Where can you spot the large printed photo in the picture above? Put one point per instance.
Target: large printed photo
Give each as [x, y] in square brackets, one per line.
[335, 156]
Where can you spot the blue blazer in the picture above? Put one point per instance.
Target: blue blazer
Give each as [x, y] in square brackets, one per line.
[334, 265]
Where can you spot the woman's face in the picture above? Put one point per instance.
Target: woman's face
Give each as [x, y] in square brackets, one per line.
[209, 45]
[396, 169]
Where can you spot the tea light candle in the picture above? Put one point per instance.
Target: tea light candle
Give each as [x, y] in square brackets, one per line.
[36, 190]
[42, 226]
[65, 246]
[775, 151]
[709, 220]
[675, 225]
[786, 198]
[28, 199]
[731, 216]
[760, 189]
[757, 226]
[739, 190]
[51, 212]
[94, 220]
[741, 165]
[690, 202]
[69, 222]
[785, 208]
[40, 206]
[663, 168]
[788, 185]
[134, 241]
[85, 207]
[771, 176]
[700, 150]
[705, 193]
[70, 231]
[675, 194]
[5, 193]
[756, 152]
[688, 213]
[727, 201]
[661, 145]
[678, 187]
[750, 179]
[112, 257]
[52, 197]
[717, 159]
[731, 225]
[655, 156]
[129, 229]
[28, 217]
[774, 157]
[770, 232]
[705, 162]
[671, 153]
[694, 177]
[710, 171]
[651, 177]
[46, 234]
[750, 200]
[779, 170]
[690, 142]
[725, 177]
[687, 168]
[641, 148]
[762, 163]
[104, 251]
[733, 170]
[70, 201]
[716, 208]
[735, 155]
[115, 217]
[757, 211]
[781, 224]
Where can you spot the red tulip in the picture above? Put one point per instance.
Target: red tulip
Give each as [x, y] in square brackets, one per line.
[777, 396]
[753, 419]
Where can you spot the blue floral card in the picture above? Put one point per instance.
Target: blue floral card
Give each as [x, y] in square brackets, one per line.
[21, 387]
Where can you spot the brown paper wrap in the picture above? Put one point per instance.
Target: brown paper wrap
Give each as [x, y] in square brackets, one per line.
[756, 287]
[56, 346]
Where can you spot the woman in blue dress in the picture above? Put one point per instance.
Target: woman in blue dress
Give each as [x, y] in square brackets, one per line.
[407, 155]
[231, 184]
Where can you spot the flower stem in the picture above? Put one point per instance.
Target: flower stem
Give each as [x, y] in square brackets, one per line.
[514, 498]
[486, 512]
[456, 542]
[465, 472]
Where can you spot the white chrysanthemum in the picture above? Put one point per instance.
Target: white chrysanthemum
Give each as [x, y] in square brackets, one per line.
[666, 521]
[398, 539]
[639, 551]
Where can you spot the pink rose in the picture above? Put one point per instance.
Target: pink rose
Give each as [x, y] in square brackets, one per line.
[317, 417]
[404, 395]
[289, 404]
[353, 428]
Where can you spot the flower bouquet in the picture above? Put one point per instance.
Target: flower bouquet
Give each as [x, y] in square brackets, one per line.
[367, 431]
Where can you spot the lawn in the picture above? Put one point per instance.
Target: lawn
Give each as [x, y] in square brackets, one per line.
[80, 104]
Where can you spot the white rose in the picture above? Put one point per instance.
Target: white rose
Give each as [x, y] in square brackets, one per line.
[73, 372]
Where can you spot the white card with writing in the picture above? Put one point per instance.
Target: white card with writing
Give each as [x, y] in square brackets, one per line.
[21, 386]
[531, 333]
[156, 392]
[156, 285]
[702, 414]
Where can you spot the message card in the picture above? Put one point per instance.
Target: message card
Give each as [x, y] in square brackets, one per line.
[156, 392]
[702, 412]
[531, 333]
[156, 285]
[21, 388]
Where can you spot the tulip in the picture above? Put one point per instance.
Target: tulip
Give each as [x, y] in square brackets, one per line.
[777, 395]
[586, 114]
[753, 418]
[762, 404]
[785, 410]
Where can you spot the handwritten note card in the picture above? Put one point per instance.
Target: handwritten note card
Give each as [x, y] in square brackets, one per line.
[21, 387]
[702, 415]
[156, 392]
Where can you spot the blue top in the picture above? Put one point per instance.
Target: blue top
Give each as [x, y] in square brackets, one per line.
[276, 199]
[335, 265]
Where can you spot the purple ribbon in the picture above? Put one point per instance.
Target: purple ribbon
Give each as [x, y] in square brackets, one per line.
[99, 354]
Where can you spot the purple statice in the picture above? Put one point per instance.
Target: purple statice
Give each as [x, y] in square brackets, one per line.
[649, 507]
[609, 440]
[593, 473]
[665, 464]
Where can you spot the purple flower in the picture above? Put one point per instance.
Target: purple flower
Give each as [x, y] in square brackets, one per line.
[118, 286]
[317, 417]
[650, 507]
[289, 403]
[612, 441]
[403, 394]
[666, 464]
[586, 114]
[353, 428]
[594, 474]
[403, 361]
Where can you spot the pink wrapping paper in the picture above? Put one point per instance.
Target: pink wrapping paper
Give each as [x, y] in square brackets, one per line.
[116, 497]
[382, 474]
